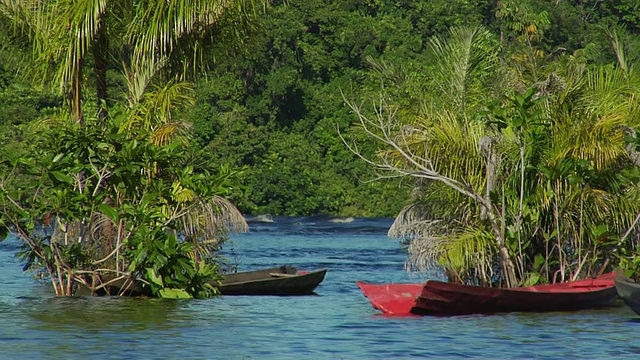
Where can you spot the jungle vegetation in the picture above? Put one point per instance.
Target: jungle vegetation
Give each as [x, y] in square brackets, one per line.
[501, 135]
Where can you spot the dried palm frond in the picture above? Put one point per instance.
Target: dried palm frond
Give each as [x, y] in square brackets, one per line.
[410, 222]
[424, 253]
[207, 224]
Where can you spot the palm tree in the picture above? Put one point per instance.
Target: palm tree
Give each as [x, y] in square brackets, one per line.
[591, 117]
[156, 46]
[441, 148]
[143, 39]
[530, 180]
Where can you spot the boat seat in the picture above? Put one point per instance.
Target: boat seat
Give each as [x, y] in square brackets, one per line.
[281, 275]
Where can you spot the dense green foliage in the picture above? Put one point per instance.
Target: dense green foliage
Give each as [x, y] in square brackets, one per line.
[521, 155]
[276, 105]
[277, 101]
[114, 168]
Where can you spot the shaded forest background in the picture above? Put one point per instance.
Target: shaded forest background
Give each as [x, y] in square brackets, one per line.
[275, 105]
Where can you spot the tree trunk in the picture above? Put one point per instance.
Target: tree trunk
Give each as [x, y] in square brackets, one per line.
[76, 95]
[507, 266]
[492, 164]
[492, 161]
[100, 68]
[506, 262]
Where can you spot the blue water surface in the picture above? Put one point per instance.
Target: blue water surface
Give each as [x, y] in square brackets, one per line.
[337, 323]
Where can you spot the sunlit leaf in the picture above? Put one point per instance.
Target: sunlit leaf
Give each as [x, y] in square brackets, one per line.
[109, 211]
[169, 293]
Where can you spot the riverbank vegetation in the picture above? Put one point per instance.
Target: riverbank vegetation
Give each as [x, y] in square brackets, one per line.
[501, 135]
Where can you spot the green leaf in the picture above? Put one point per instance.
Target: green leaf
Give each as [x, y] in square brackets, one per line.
[153, 277]
[532, 279]
[62, 177]
[180, 277]
[538, 262]
[168, 293]
[4, 230]
[109, 211]
[517, 121]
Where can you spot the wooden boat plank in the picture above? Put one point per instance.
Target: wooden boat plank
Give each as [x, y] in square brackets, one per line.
[282, 275]
[442, 298]
[460, 304]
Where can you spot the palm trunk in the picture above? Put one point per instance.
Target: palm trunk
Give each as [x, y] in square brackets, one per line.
[76, 95]
[521, 215]
[492, 159]
[559, 242]
[506, 262]
[100, 68]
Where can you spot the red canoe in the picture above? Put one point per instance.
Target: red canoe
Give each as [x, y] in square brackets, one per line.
[443, 298]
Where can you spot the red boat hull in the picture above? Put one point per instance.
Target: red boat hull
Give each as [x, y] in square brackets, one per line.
[442, 298]
[391, 299]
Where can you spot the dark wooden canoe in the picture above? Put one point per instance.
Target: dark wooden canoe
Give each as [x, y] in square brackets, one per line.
[283, 280]
[442, 298]
[629, 291]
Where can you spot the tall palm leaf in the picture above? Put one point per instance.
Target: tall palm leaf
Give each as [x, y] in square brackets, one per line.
[464, 60]
[155, 113]
[160, 30]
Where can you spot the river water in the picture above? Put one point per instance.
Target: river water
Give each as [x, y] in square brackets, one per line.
[337, 323]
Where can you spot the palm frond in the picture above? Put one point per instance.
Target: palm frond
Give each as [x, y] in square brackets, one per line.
[62, 32]
[207, 224]
[470, 251]
[453, 145]
[466, 253]
[424, 253]
[158, 26]
[158, 106]
[463, 59]
[411, 223]
[618, 46]
[139, 76]
[83, 18]
[175, 131]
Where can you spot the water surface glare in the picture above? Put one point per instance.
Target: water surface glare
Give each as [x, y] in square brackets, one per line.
[337, 323]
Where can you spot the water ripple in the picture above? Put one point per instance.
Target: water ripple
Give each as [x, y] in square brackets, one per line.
[338, 323]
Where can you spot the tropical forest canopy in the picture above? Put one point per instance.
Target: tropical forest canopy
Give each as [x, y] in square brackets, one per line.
[500, 134]
[274, 103]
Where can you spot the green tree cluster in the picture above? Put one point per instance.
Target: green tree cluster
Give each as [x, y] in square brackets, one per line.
[524, 164]
[105, 195]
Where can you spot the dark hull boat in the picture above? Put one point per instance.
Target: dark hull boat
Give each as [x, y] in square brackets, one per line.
[443, 299]
[629, 291]
[283, 280]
